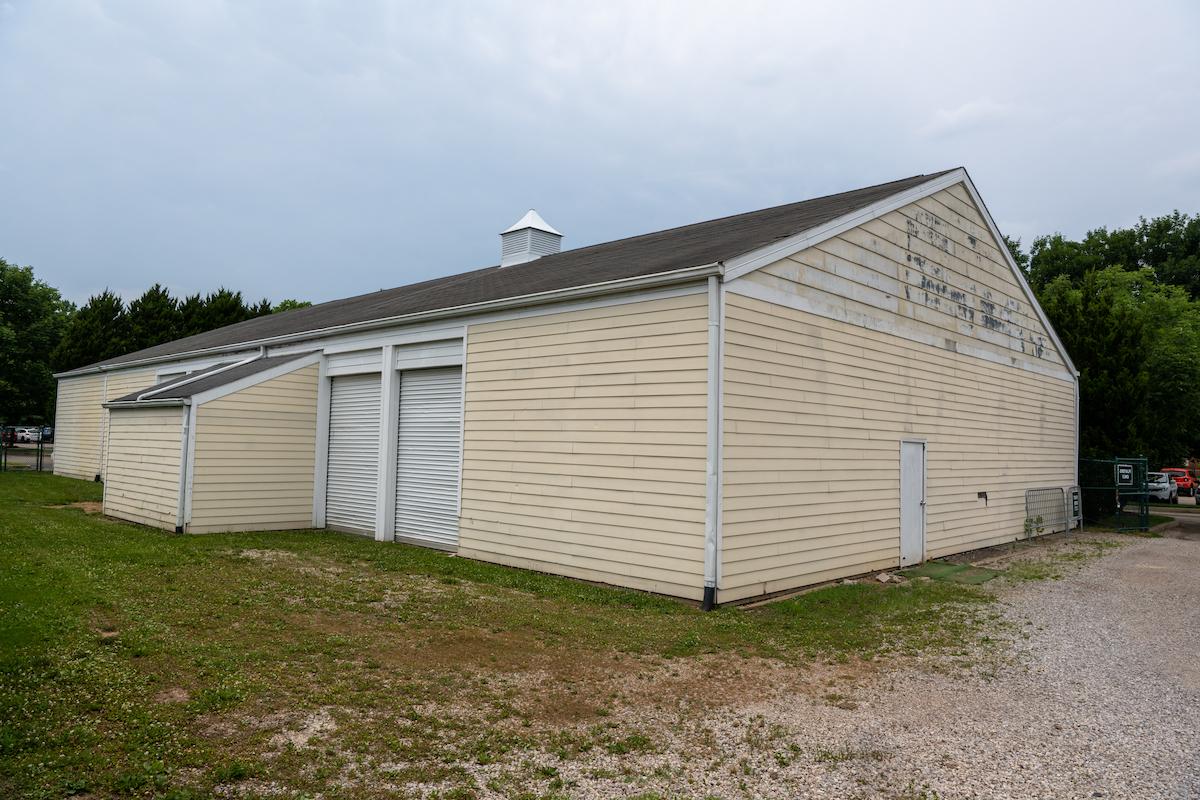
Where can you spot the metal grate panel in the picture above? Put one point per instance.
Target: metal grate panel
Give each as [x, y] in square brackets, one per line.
[1045, 511]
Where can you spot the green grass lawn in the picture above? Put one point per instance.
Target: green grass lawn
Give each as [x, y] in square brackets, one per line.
[135, 662]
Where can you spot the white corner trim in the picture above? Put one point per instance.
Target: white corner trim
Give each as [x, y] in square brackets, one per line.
[253, 380]
[721, 445]
[462, 429]
[739, 266]
[321, 461]
[712, 466]
[189, 413]
[1016, 270]
[389, 411]
[184, 439]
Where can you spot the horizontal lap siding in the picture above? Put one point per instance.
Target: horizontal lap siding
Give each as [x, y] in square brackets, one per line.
[815, 406]
[78, 426]
[584, 444]
[255, 455]
[143, 466]
[119, 384]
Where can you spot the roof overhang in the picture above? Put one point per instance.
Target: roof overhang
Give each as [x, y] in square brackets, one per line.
[672, 277]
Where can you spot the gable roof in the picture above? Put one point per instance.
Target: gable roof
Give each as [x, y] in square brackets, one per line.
[652, 254]
[205, 380]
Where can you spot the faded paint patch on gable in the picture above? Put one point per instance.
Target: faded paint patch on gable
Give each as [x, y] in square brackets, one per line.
[930, 272]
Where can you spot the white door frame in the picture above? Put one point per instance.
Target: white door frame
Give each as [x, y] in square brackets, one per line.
[924, 497]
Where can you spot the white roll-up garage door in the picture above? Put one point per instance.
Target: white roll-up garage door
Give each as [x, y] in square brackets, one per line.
[352, 483]
[427, 460]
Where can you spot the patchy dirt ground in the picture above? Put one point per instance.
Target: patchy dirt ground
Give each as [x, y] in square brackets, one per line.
[1093, 692]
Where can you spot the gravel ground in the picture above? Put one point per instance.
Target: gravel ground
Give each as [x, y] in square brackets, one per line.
[1097, 695]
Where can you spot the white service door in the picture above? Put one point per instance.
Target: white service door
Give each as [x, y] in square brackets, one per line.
[352, 483]
[428, 444]
[912, 503]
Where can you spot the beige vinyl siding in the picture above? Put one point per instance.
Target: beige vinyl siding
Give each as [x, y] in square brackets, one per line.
[143, 465]
[119, 384]
[81, 421]
[254, 458]
[584, 444]
[79, 426]
[929, 271]
[818, 395]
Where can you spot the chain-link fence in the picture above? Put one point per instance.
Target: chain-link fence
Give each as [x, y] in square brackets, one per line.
[26, 448]
[1115, 492]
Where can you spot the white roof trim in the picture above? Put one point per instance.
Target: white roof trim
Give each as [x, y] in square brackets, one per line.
[191, 378]
[532, 219]
[1016, 270]
[739, 266]
[299, 362]
[743, 264]
[653, 280]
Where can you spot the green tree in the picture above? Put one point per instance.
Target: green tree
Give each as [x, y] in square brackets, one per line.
[224, 307]
[1014, 248]
[98, 331]
[154, 318]
[32, 319]
[1136, 343]
[289, 304]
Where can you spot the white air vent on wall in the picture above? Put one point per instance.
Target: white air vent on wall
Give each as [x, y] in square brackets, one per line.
[529, 237]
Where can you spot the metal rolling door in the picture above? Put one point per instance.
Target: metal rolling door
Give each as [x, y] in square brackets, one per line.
[352, 483]
[427, 457]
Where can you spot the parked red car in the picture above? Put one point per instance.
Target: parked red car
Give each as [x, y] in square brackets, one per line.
[1183, 479]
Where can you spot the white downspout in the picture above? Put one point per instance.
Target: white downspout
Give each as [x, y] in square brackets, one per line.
[183, 466]
[712, 462]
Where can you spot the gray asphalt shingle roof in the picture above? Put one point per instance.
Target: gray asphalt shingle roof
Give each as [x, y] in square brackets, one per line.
[652, 253]
[211, 378]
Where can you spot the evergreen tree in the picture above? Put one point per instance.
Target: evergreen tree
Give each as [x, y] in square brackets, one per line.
[154, 318]
[191, 315]
[98, 331]
[224, 307]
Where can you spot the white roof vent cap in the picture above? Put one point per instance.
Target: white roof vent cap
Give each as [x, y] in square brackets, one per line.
[528, 238]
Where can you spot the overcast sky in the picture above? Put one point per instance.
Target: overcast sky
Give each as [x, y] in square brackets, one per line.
[317, 150]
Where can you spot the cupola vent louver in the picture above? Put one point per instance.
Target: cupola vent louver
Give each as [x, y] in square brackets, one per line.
[529, 237]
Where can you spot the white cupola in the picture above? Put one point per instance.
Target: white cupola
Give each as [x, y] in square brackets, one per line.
[529, 237]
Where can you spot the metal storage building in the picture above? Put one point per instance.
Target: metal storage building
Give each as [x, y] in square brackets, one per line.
[719, 411]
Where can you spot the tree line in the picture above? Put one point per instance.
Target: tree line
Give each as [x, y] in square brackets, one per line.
[1126, 304]
[41, 333]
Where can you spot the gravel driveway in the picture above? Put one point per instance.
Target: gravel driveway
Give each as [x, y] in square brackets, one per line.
[1098, 695]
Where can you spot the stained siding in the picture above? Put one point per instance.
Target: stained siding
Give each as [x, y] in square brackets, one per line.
[78, 427]
[255, 453]
[819, 392]
[584, 444]
[143, 466]
[119, 384]
[81, 421]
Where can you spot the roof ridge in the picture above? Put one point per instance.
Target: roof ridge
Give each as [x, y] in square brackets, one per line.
[861, 189]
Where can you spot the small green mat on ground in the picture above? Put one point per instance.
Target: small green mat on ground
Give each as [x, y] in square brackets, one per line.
[955, 573]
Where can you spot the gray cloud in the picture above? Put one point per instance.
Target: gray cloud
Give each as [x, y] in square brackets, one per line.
[317, 150]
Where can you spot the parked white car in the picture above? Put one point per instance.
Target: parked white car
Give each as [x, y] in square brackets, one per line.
[1162, 487]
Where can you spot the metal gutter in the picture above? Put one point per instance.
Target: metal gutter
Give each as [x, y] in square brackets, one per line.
[541, 298]
[161, 403]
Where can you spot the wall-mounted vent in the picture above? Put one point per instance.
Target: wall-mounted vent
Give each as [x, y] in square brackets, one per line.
[529, 237]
